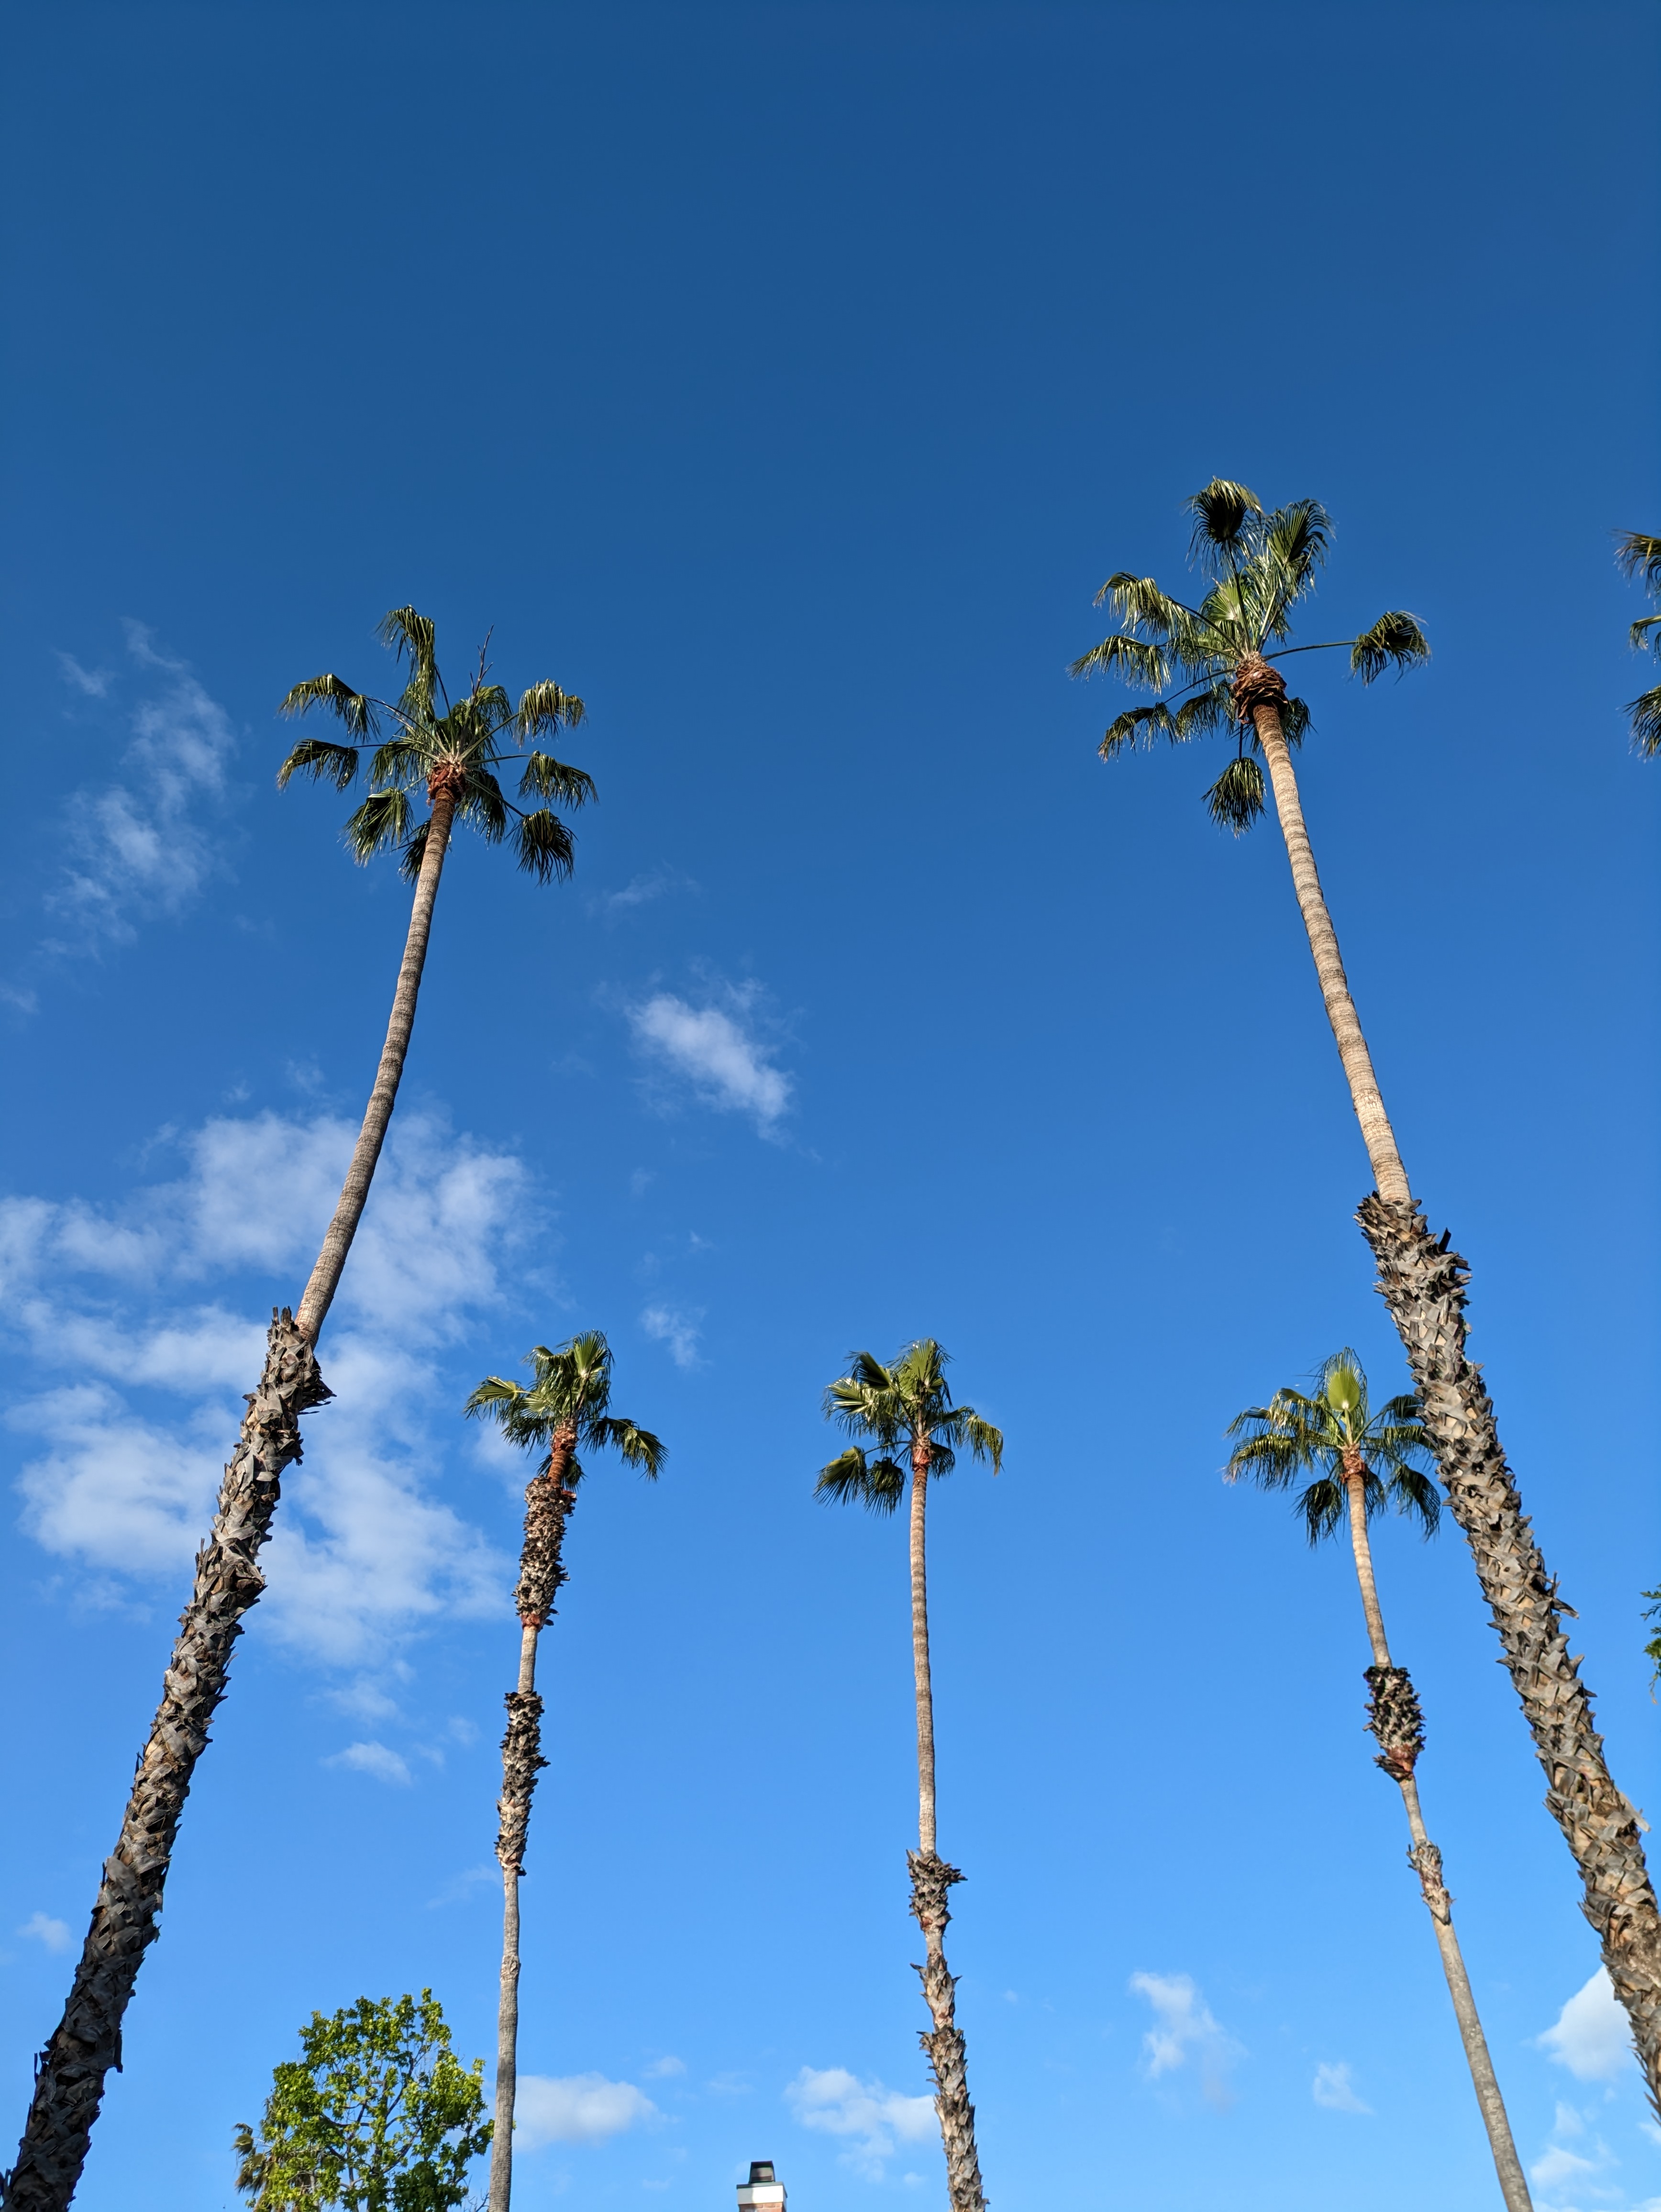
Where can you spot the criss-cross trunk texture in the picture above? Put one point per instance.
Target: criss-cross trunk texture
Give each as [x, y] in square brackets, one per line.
[1423, 1284]
[548, 1505]
[70, 2073]
[1395, 1718]
[931, 1877]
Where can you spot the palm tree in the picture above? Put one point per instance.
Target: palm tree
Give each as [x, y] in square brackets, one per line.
[1636, 554]
[1213, 667]
[563, 1407]
[906, 1409]
[1361, 1461]
[453, 754]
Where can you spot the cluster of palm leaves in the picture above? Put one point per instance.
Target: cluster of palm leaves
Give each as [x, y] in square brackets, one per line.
[1214, 667]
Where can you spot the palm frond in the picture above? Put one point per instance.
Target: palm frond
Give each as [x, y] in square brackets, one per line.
[544, 706]
[323, 761]
[1295, 541]
[1394, 641]
[1222, 515]
[543, 845]
[1236, 799]
[1645, 713]
[1295, 723]
[483, 806]
[851, 1479]
[356, 711]
[1416, 1494]
[495, 1390]
[550, 779]
[1323, 1506]
[400, 761]
[1638, 554]
[637, 1446]
[1207, 711]
[1139, 660]
[1638, 635]
[381, 822]
[414, 856]
[412, 636]
[1138, 726]
[985, 1441]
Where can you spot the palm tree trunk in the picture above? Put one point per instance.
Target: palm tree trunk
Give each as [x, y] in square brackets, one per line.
[1394, 1718]
[70, 2072]
[1423, 1283]
[548, 1505]
[70, 2077]
[931, 1878]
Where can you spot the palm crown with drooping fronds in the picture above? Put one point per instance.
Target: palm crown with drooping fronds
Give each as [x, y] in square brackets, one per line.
[1260, 566]
[1638, 554]
[905, 1406]
[568, 1399]
[1297, 1434]
[459, 748]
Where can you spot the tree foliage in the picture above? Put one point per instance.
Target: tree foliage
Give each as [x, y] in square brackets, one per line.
[1638, 554]
[376, 2115]
[568, 1399]
[1317, 1434]
[905, 1407]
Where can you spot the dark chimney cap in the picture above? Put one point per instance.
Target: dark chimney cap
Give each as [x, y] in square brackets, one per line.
[761, 2169]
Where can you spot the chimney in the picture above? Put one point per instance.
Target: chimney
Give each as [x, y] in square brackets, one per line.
[761, 2193]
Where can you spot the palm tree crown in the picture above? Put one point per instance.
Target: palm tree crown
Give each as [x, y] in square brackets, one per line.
[1260, 565]
[905, 1406]
[457, 750]
[1637, 554]
[566, 1406]
[1332, 1435]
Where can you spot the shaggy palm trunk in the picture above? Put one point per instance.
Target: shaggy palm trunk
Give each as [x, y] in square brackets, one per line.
[931, 1878]
[547, 1508]
[1423, 1284]
[1394, 1718]
[70, 2072]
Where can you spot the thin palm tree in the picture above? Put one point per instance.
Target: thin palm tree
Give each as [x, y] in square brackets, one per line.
[564, 1408]
[1359, 1462]
[1637, 554]
[451, 751]
[1213, 667]
[905, 1410]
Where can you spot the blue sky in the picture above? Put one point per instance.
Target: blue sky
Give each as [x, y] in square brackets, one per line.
[785, 380]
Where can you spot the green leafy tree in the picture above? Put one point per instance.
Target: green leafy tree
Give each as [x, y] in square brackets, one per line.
[1357, 1464]
[565, 1408]
[905, 1413]
[1638, 554]
[1213, 667]
[421, 744]
[377, 2114]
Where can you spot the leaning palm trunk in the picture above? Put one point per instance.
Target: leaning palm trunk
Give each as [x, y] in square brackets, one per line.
[1395, 1719]
[1423, 1284]
[931, 1878]
[71, 2071]
[547, 1508]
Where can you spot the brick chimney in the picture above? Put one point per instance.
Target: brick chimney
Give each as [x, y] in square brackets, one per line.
[761, 2193]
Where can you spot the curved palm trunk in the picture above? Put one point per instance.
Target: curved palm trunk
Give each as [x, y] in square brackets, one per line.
[87, 2043]
[1394, 1718]
[1423, 1284]
[548, 1506]
[931, 1878]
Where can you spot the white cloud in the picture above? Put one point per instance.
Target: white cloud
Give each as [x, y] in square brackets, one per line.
[374, 1759]
[575, 2108]
[672, 1326]
[1560, 2165]
[94, 682]
[41, 1928]
[1592, 2036]
[715, 1049]
[1333, 2089]
[1184, 2028]
[641, 890]
[838, 2103]
[664, 2068]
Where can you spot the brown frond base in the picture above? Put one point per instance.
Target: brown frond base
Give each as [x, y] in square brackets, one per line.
[1257, 683]
[521, 1762]
[70, 2073]
[548, 1507]
[943, 2046]
[1423, 1283]
[1394, 1716]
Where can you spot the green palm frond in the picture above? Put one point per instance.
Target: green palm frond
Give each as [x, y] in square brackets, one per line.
[1138, 726]
[544, 846]
[852, 1480]
[1646, 714]
[1324, 1505]
[1139, 660]
[403, 760]
[412, 636]
[1207, 711]
[1300, 1432]
[1223, 515]
[1296, 540]
[548, 778]
[1236, 799]
[380, 824]
[569, 1395]
[356, 711]
[1645, 634]
[323, 761]
[1638, 554]
[1395, 641]
[1294, 722]
[414, 854]
[544, 706]
[483, 806]
[638, 1446]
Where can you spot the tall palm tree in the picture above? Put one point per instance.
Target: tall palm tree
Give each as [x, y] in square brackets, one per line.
[1637, 554]
[906, 1412]
[1213, 665]
[1361, 1461]
[565, 1406]
[452, 750]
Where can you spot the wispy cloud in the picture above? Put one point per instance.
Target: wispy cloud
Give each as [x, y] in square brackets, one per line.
[1333, 2089]
[41, 1928]
[715, 1048]
[1185, 2030]
[1592, 2036]
[641, 890]
[575, 2108]
[679, 1330]
[91, 682]
[374, 1759]
[870, 2116]
[665, 2069]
